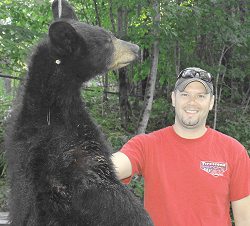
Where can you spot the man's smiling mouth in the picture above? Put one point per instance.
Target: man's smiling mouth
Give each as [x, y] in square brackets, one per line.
[191, 111]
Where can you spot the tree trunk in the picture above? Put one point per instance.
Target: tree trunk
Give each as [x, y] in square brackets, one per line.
[7, 85]
[105, 76]
[247, 105]
[177, 55]
[143, 82]
[111, 15]
[125, 109]
[216, 85]
[148, 99]
[97, 15]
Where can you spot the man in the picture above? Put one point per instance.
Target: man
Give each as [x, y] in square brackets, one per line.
[191, 171]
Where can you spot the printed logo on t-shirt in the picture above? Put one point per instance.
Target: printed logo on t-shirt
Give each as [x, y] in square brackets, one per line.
[216, 169]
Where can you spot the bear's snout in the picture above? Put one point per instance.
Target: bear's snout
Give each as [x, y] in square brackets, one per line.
[124, 53]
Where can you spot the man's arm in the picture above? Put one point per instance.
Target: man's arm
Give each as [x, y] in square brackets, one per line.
[241, 211]
[122, 165]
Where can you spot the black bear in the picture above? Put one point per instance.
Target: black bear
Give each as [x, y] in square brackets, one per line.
[58, 161]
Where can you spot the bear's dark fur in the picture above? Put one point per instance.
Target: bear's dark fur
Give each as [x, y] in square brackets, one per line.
[58, 162]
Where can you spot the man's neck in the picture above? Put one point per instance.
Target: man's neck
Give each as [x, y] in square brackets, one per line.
[191, 133]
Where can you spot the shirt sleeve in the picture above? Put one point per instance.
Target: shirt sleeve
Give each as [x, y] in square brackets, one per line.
[240, 178]
[135, 150]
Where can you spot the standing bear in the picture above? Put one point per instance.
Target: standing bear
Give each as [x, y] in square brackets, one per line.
[59, 164]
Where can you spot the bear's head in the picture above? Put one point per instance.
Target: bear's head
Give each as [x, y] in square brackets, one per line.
[88, 50]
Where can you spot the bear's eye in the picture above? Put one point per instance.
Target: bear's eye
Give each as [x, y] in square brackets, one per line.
[107, 45]
[109, 40]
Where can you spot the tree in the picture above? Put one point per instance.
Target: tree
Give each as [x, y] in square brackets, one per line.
[22, 23]
[149, 95]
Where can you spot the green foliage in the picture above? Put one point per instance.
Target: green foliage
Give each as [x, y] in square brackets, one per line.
[234, 123]
[162, 114]
[107, 115]
[3, 195]
[22, 23]
[5, 103]
[202, 29]
[137, 186]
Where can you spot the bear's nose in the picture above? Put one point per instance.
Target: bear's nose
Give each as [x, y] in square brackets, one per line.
[136, 50]
[128, 47]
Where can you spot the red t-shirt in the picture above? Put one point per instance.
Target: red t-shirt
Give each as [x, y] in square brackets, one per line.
[189, 182]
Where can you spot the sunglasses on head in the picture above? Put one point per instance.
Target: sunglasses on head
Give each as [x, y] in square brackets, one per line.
[191, 73]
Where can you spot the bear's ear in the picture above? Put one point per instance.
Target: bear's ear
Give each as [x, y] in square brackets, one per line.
[63, 37]
[62, 9]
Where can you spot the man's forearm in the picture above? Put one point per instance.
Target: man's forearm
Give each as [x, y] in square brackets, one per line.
[241, 211]
[243, 223]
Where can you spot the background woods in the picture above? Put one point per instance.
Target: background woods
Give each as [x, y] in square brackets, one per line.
[211, 34]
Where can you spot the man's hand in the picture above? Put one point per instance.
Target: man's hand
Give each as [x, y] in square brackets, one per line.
[122, 165]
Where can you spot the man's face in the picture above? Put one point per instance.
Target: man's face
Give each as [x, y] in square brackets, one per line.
[192, 106]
